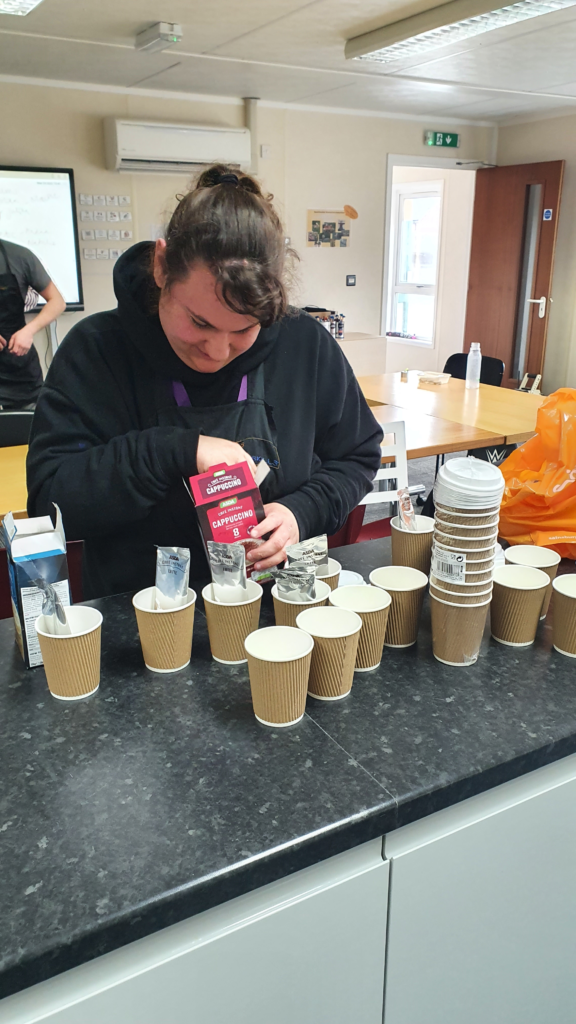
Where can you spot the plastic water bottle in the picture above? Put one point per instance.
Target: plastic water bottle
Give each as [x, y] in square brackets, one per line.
[474, 366]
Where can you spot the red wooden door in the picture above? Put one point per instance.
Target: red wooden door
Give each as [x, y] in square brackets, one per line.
[511, 263]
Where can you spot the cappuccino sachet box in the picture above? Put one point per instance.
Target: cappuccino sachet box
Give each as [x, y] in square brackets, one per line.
[228, 503]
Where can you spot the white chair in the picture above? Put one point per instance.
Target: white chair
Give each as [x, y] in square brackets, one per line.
[396, 467]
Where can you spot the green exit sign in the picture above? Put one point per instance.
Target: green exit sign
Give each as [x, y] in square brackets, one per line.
[449, 139]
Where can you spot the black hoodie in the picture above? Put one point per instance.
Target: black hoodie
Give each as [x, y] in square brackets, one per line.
[97, 450]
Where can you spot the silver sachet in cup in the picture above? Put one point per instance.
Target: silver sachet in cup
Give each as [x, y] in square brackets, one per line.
[55, 620]
[313, 551]
[228, 568]
[296, 582]
[172, 575]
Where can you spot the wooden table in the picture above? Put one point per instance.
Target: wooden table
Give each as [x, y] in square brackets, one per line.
[13, 493]
[430, 435]
[509, 415]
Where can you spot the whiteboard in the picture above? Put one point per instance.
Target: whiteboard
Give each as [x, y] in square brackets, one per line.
[37, 210]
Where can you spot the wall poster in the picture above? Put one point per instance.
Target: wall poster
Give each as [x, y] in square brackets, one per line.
[328, 229]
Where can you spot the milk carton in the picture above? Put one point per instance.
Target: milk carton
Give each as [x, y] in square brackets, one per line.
[35, 548]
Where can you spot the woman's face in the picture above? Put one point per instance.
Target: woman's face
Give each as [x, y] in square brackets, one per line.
[204, 333]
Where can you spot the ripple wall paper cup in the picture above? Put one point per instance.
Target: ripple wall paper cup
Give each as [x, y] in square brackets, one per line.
[286, 612]
[373, 606]
[279, 666]
[538, 558]
[467, 598]
[457, 631]
[230, 624]
[330, 575]
[72, 663]
[165, 633]
[463, 529]
[467, 518]
[406, 587]
[413, 549]
[564, 620]
[335, 632]
[462, 543]
[517, 599]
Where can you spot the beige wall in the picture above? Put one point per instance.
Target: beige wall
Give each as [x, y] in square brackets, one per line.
[554, 139]
[317, 160]
[455, 235]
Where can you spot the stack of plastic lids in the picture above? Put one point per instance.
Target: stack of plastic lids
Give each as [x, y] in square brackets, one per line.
[468, 484]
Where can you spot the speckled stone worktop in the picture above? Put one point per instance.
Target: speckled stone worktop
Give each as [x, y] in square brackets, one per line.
[160, 797]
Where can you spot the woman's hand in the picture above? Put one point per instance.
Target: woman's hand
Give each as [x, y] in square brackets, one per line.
[281, 523]
[214, 450]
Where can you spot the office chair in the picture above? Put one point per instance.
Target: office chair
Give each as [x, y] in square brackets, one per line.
[14, 428]
[491, 372]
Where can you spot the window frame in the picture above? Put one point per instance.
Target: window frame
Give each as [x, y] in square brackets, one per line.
[401, 190]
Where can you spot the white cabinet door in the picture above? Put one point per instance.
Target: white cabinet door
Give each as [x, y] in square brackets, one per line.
[482, 919]
[306, 950]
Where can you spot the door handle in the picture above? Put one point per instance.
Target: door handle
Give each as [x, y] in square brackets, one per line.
[542, 306]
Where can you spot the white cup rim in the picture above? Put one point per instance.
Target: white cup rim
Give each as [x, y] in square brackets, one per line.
[478, 584]
[469, 540]
[520, 577]
[453, 510]
[468, 551]
[361, 596]
[434, 586]
[395, 524]
[257, 636]
[305, 621]
[462, 526]
[208, 596]
[548, 558]
[72, 636]
[452, 605]
[319, 597]
[565, 584]
[334, 568]
[414, 578]
[138, 598]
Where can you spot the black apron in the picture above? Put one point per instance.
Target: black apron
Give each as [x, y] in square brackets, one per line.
[20, 376]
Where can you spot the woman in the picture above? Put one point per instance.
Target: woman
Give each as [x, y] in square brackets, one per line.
[200, 364]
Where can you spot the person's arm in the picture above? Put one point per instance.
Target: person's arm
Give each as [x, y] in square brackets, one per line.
[21, 341]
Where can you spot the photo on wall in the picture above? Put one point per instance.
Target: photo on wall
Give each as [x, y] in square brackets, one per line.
[328, 228]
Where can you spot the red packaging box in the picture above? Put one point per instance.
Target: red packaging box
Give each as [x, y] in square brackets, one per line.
[228, 503]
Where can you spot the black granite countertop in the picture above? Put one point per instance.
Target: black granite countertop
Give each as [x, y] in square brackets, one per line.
[162, 796]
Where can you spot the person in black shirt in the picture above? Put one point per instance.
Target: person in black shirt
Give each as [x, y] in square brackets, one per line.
[202, 363]
[20, 372]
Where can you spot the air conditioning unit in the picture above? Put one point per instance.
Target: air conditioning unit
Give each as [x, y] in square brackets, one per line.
[157, 147]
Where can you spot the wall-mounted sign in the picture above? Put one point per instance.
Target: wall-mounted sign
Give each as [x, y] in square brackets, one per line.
[328, 229]
[449, 139]
[547, 215]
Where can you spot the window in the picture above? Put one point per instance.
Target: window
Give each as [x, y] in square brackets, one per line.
[414, 253]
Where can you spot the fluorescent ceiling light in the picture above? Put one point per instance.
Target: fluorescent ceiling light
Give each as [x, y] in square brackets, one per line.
[18, 6]
[449, 23]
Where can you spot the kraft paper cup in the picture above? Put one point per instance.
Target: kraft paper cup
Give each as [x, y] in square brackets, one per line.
[538, 558]
[482, 555]
[330, 575]
[72, 663]
[373, 606]
[467, 532]
[457, 631]
[279, 666]
[335, 632]
[468, 517]
[410, 548]
[485, 543]
[406, 587]
[468, 598]
[475, 586]
[517, 599]
[230, 624]
[286, 612]
[564, 621]
[165, 633]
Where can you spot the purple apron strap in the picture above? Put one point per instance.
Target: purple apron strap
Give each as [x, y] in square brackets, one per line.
[243, 393]
[180, 394]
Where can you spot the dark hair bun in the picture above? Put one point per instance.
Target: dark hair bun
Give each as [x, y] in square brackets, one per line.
[226, 223]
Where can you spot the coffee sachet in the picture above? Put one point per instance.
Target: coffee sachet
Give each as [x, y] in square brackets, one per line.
[406, 514]
[53, 610]
[313, 551]
[172, 575]
[228, 568]
[296, 582]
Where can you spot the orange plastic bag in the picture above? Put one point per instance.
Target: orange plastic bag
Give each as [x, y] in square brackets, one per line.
[539, 503]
